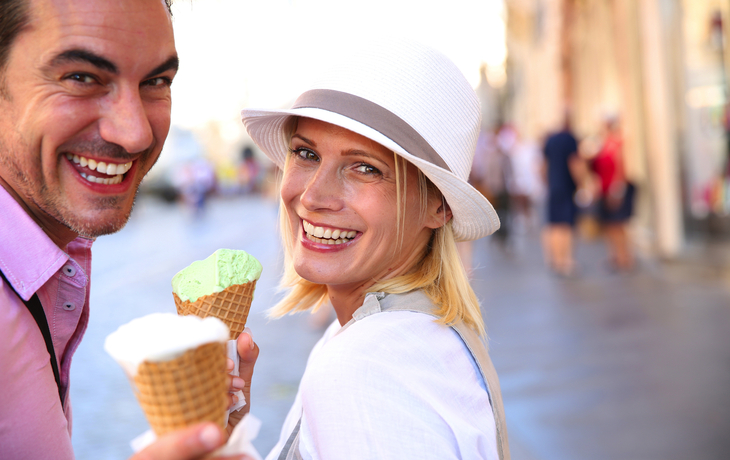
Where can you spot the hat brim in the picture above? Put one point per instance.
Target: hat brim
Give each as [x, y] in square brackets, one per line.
[473, 215]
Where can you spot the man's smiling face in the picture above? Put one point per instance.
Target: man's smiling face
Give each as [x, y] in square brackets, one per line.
[84, 110]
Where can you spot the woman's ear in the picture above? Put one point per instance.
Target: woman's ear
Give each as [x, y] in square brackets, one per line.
[438, 212]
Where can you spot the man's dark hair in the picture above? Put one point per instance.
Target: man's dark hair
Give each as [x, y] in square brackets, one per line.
[14, 17]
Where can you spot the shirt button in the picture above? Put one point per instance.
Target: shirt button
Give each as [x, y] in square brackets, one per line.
[68, 306]
[69, 270]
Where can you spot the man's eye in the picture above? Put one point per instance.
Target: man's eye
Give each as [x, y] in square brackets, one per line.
[158, 81]
[83, 78]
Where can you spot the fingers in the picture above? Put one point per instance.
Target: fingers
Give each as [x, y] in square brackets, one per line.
[232, 399]
[247, 348]
[248, 353]
[235, 383]
[188, 444]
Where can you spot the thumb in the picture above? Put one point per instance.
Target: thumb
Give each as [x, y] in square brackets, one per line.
[187, 444]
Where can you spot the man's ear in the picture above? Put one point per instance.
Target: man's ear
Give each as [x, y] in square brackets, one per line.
[438, 212]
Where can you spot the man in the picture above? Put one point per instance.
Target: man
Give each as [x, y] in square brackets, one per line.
[84, 111]
[564, 169]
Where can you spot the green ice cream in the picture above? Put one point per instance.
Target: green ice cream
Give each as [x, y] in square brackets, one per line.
[222, 269]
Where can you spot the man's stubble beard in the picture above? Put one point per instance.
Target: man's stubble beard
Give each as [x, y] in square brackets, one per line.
[85, 228]
[52, 204]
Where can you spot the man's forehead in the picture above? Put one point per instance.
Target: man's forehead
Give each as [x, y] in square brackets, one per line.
[91, 6]
[101, 17]
[120, 30]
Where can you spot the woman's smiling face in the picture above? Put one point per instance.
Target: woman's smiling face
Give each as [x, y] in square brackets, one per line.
[339, 192]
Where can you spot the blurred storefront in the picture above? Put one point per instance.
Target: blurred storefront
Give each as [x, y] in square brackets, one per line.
[661, 66]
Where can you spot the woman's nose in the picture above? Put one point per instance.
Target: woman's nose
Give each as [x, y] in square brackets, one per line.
[323, 190]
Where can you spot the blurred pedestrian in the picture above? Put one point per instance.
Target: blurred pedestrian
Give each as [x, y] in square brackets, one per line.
[249, 172]
[563, 169]
[374, 197]
[195, 180]
[616, 196]
[84, 111]
[526, 184]
[491, 174]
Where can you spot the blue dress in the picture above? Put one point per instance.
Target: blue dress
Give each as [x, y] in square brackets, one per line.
[559, 148]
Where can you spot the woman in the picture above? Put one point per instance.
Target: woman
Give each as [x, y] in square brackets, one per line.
[617, 196]
[374, 196]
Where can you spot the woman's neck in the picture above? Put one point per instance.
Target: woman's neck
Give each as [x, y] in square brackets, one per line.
[346, 300]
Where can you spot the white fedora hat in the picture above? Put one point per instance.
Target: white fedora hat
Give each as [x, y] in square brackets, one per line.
[409, 98]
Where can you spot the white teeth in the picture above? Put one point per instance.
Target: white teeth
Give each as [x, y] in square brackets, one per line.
[110, 169]
[328, 236]
[324, 241]
[106, 180]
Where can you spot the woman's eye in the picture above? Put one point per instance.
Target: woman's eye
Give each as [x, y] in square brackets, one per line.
[365, 168]
[305, 154]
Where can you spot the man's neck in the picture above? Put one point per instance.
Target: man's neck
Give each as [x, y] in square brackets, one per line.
[59, 233]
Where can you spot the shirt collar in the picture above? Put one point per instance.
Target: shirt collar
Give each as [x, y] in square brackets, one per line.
[28, 257]
[375, 302]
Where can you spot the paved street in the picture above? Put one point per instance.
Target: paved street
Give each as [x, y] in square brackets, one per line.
[609, 366]
[602, 366]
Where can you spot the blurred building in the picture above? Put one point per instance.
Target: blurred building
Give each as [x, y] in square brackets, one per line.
[661, 66]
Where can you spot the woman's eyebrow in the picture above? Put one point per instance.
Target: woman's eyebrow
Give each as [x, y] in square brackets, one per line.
[360, 152]
[308, 141]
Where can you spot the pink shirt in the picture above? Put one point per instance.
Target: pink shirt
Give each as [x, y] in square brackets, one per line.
[33, 424]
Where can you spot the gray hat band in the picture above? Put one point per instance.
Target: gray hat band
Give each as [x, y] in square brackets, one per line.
[373, 116]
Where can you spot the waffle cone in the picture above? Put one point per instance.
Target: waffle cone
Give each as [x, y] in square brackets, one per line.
[186, 390]
[230, 306]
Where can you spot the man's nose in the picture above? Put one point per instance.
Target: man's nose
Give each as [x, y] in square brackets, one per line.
[125, 121]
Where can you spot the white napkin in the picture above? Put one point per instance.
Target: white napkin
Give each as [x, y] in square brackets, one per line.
[233, 355]
[240, 441]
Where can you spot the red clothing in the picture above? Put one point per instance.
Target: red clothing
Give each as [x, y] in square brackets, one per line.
[607, 163]
[33, 424]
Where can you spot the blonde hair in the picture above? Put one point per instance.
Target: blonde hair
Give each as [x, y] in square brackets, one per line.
[439, 272]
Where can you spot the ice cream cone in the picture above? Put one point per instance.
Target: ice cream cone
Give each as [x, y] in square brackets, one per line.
[230, 306]
[186, 390]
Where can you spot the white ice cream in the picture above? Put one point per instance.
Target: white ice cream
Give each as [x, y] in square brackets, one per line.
[161, 337]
